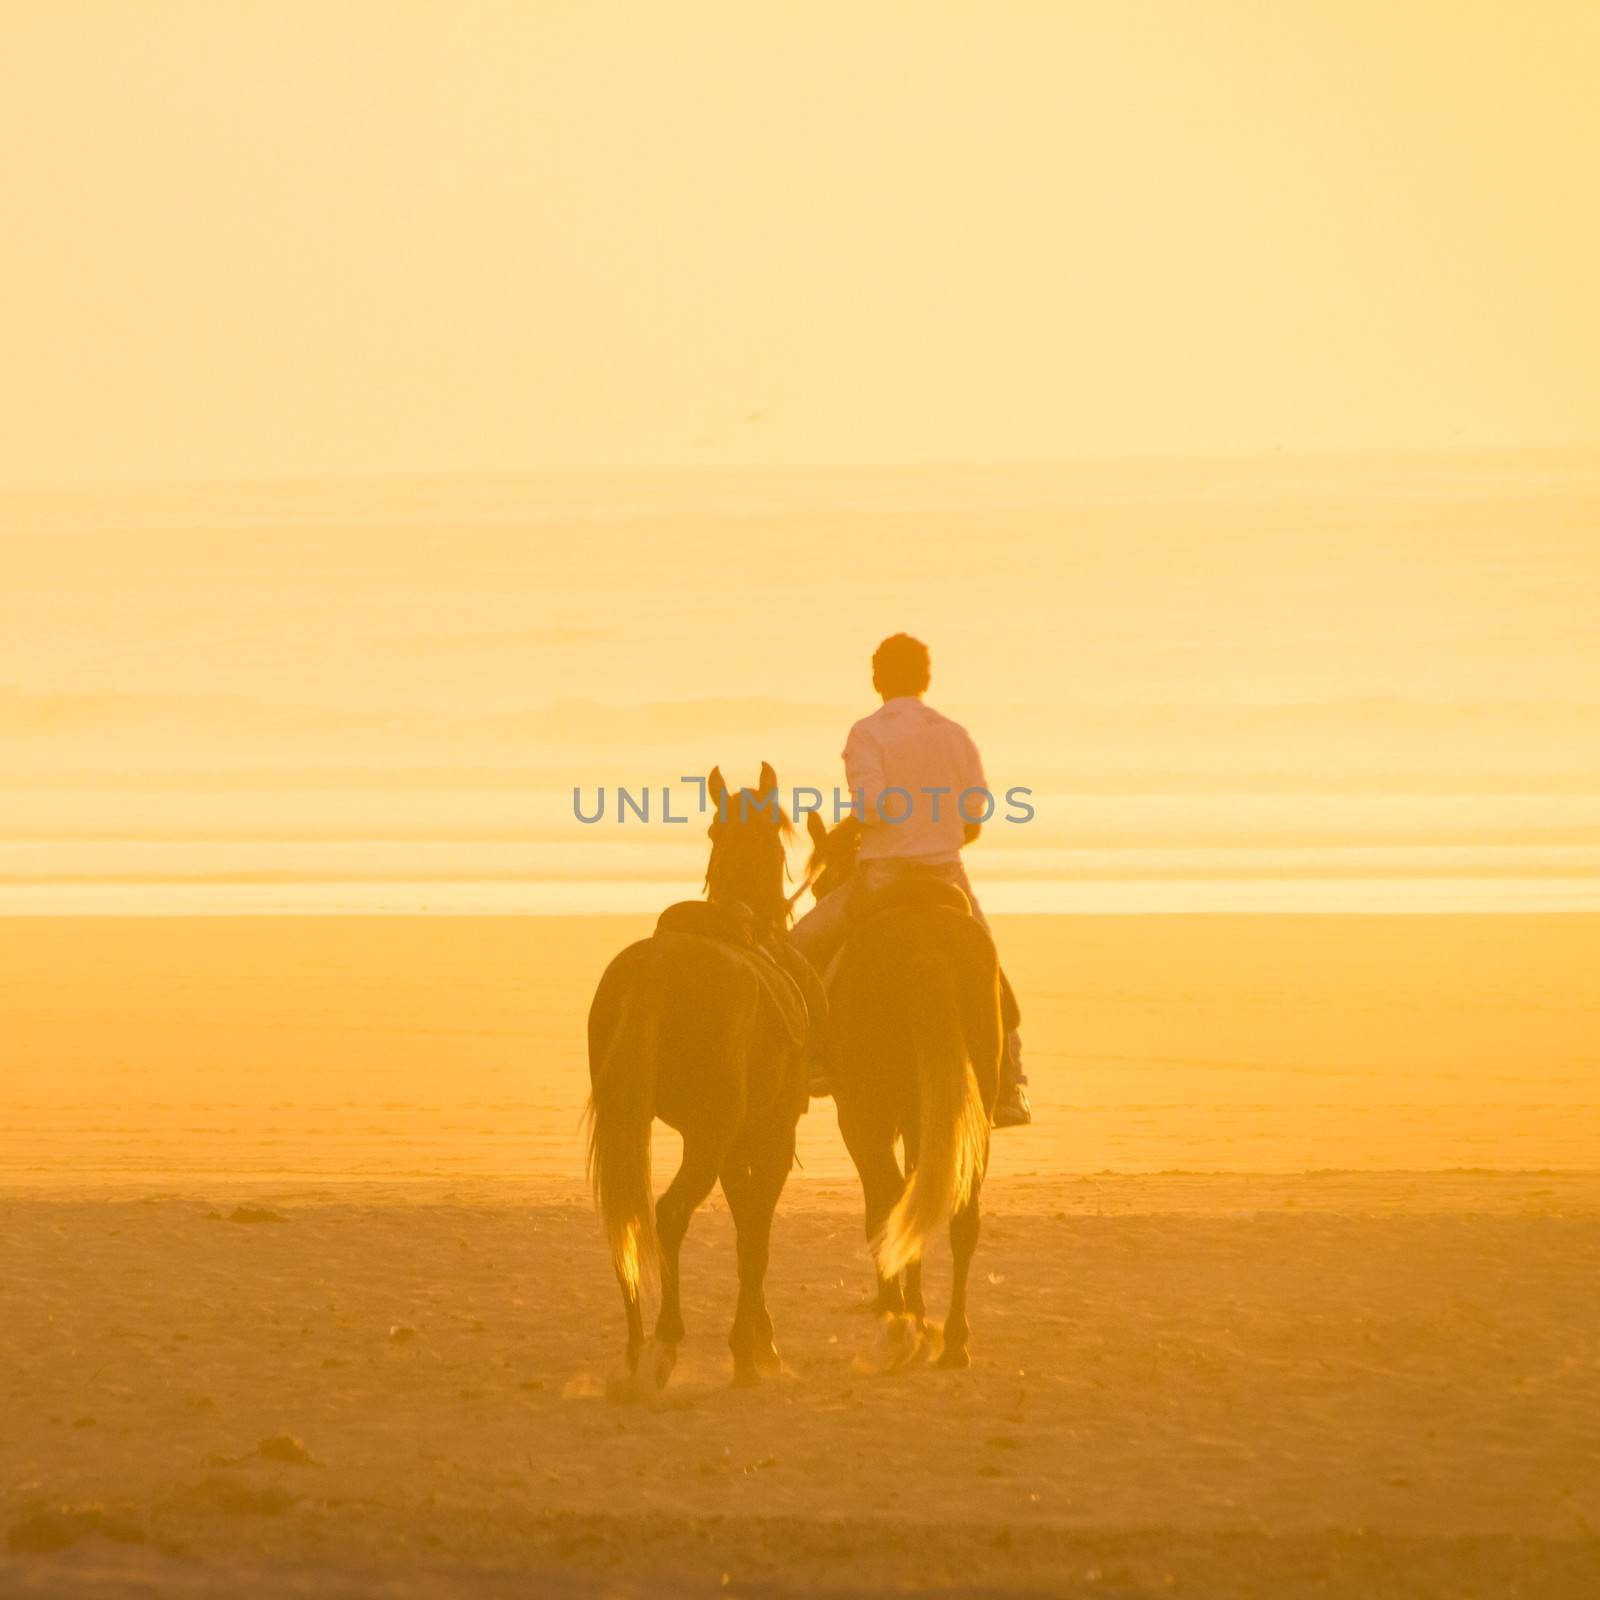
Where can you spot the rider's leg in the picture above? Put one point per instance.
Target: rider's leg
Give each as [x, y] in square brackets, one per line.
[819, 934]
[1011, 1073]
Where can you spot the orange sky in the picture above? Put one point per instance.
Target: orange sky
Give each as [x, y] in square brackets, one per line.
[436, 271]
[260, 239]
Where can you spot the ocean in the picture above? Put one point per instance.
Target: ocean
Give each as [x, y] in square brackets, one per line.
[1272, 685]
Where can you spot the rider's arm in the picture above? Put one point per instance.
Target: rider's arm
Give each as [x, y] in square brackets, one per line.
[970, 764]
[863, 773]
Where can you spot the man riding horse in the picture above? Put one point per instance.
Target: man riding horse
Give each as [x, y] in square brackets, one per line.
[909, 768]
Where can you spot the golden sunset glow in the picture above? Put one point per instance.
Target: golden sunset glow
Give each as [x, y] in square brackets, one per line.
[268, 239]
[424, 424]
[1333, 684]
[492, 410]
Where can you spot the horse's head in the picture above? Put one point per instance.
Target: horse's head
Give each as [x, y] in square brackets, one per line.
[833, 854]
[748, 835]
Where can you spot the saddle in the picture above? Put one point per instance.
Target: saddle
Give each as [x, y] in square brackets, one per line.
[945, 899]
[790, 986]
[908, 894]
[709, 919]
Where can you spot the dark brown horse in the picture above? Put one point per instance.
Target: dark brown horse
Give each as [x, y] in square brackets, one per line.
[915, 1040]
[685, 1026]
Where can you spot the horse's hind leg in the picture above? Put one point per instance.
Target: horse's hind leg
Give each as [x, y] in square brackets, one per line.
[963, 1244]
[882, 1183]
[752, 1188]
[702, 1155]
[915, 1304]
[630, 1306]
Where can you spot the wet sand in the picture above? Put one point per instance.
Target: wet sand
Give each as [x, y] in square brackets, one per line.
[336, 1047]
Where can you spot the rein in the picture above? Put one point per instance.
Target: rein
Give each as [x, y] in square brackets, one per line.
[810, 878]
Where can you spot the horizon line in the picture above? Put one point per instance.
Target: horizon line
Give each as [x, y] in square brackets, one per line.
[1257, 455]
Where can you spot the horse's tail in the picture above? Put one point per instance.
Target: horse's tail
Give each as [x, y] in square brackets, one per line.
[954, 1142]
[621, 1111]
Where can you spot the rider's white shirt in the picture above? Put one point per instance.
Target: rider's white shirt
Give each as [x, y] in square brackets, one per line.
[908, 746]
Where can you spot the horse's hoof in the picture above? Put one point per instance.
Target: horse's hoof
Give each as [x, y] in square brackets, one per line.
[904, 1341]
[954, 1357]
[745, 1375]
[767, 1359]
[666, 1358]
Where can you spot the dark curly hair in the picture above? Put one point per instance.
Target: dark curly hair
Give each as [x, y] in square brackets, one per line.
[901, 665]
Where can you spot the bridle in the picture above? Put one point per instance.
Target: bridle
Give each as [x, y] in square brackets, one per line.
[716, 878]
[814, 873]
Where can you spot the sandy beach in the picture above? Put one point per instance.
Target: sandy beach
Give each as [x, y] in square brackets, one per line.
[1346, 1385]
[302, 1292]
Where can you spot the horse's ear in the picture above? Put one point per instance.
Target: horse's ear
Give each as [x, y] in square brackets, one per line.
[816, 828]
[767, 783]
[716, 787]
